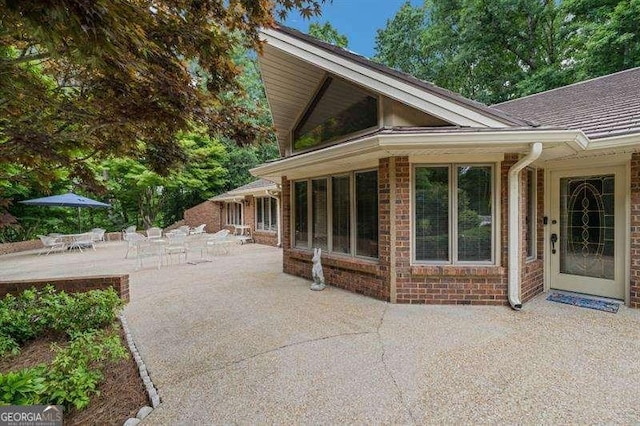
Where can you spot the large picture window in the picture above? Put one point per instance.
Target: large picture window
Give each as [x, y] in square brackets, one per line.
[454, 214]
[343, 211]
[266, 214]
[234, 214]
[338, 109]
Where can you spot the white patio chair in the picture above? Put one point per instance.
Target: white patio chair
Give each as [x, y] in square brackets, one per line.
[176, 244]
[51, 243]
[132, 239]
[98, 234]
[198, 229]
[220, 242]
[128, 230]
[83, 241]
[148, 248]
[154, 232]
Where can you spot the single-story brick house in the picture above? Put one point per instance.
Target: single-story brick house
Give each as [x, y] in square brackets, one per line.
[256, 205]
[418, 195]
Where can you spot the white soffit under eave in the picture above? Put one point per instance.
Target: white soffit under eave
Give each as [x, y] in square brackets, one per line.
[378, 82]
[557, 144]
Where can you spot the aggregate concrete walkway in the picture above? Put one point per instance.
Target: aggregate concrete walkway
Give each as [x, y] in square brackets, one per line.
[237, 341]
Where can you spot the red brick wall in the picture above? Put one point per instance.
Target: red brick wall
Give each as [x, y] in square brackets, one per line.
[532, 277]
[7, 248]
[393, 277]
[120, 283]
[359, 276]
[209, 213]
[634, 300]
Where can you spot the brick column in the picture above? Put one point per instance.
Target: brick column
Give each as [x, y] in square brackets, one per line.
[634, 300]
[285, 206]
[386, 222]
[402, 238]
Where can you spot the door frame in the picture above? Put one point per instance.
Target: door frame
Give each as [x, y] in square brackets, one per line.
[587, 165]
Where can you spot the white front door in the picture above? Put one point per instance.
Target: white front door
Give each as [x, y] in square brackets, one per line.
[587, 231]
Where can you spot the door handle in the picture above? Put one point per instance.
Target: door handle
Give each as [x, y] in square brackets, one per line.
[554, 240]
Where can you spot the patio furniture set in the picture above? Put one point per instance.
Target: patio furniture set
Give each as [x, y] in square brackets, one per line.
[67, 242]
[159, 245]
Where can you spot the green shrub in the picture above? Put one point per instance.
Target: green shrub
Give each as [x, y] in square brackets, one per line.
[34, 312]
[8, 345]
[24, 387]
[71, 378]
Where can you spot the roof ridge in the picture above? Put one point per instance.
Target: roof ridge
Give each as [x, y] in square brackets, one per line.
[577, 83]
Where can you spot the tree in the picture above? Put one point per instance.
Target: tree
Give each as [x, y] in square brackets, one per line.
[479, 48]
[328, 33]
[83, 80]
[605, 36]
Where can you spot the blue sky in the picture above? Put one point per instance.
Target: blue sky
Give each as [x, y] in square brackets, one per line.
[357, 19]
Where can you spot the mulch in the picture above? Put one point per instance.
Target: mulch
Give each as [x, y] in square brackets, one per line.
[122, 392]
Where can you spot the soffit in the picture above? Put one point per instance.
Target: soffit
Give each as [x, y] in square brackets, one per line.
[290, 83]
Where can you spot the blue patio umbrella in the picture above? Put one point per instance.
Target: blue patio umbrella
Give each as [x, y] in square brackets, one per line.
[67, 200]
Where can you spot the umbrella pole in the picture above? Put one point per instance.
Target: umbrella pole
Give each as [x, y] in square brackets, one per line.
[79, 221]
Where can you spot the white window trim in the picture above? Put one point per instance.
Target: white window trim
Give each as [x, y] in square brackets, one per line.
[273, 225]
[352, 214]
[533, 243]
[453, 229]
[239, 205]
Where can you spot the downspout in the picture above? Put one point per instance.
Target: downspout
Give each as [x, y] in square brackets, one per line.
[514, 224]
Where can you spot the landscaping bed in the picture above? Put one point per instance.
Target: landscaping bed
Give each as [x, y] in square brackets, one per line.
[70, 350]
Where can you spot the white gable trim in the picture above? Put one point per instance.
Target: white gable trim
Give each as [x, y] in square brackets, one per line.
[410, 95]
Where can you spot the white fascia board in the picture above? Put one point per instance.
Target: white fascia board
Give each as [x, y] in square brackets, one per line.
[403, 92]
[616, 142]
[387, 145]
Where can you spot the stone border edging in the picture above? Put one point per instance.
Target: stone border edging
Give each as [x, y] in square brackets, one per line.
[144, 375]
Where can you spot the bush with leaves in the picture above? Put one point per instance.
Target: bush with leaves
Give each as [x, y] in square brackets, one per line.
[35, 312]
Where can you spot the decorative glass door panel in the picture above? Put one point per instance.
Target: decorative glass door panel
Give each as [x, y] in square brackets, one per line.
[587, 237]
[586, 232]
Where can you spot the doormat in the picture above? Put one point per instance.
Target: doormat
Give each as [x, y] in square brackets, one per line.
[584, 302]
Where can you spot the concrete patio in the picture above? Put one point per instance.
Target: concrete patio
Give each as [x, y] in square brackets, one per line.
[235, 340]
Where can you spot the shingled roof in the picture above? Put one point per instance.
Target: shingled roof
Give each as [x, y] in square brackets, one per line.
[602, 107]
[252, 187]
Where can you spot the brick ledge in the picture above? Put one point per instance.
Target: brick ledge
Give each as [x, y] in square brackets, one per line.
[458, 270]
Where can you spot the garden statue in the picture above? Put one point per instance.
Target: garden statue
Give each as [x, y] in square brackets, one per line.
[316, 271]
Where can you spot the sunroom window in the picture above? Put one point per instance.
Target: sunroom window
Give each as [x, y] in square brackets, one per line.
[234, 214]
[530, 217]
[343, 211]
[266, 214]
[454, 214]
[338, 109]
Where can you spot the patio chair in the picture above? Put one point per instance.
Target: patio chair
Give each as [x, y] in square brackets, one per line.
[128, 230]
[220, 242]
[132, 239]
[147, 248]
[98, 234]
[51, 243]
[198, 229]
[176, 244]
[83, 241]
[154, 232]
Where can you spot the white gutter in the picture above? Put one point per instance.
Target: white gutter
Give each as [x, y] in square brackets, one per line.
[514, 223]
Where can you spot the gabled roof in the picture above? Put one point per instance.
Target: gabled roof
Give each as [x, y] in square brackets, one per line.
[602, 107]
[294, 64]
[257, 187]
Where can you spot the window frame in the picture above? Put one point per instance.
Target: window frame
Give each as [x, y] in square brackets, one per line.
[266, 212]
[453, 214]
[532, 210]
[329, 207]
[320, 90]
[237, 205]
